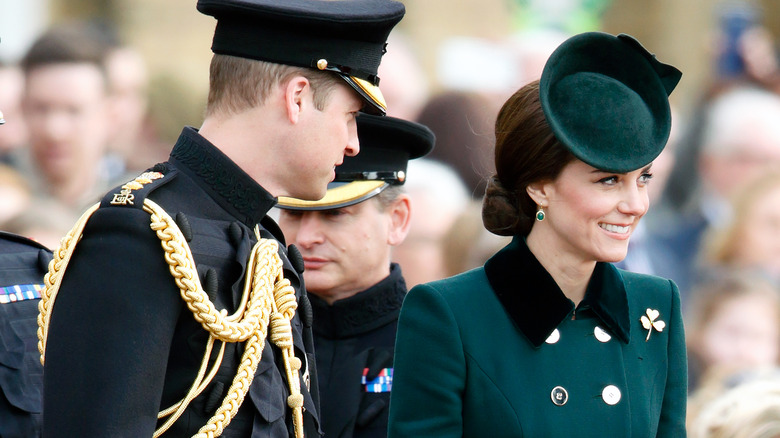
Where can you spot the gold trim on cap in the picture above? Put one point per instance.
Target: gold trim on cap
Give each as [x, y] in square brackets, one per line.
[337, 197]
[372, 91]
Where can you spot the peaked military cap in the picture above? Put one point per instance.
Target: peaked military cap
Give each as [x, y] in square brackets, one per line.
[346, 37]
[606, 99]
[386, 146]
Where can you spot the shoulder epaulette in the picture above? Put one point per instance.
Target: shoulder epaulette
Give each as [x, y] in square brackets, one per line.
[133, 193]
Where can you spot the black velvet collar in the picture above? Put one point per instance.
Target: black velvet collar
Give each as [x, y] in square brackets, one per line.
[373, 308]
[228, 184]
[537, 305]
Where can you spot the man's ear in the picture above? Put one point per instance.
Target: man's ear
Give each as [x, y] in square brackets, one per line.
[400, 220]
[296, 92]
[539, 193]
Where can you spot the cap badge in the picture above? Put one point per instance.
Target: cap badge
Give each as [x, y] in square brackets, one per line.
[322, 64]
[650, 321]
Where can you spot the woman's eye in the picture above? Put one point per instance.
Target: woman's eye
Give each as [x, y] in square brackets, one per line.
[645, 178]
[610, 180]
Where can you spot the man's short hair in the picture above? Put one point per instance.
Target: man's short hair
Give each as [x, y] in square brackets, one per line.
[237, 84]
[388, 196]
[66, 44]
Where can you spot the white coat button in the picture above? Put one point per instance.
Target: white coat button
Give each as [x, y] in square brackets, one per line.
[559, 396]
[554, 337]
[601, 334]
[611, 395]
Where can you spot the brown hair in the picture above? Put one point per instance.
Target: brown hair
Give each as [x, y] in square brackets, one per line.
[66, 44]
[723, 245]
[526, 152]
[236, 84]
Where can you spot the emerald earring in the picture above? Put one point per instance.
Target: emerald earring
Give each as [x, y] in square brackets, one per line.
[540, 214]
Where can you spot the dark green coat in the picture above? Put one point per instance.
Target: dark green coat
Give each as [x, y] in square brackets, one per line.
[475, 356]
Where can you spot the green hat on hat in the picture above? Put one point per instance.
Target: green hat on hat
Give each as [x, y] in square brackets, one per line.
[606, 99]
[386, 146]
[346, 37]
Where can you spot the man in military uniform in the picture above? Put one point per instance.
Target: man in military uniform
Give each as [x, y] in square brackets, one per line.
[171, 313]
[22, 266]
[356, 293]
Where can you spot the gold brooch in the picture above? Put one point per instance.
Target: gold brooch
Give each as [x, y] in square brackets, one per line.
[650, 322]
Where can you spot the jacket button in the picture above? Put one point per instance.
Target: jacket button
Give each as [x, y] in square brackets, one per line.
[295, 257]
[554, 337]
[611, 395]
[601, 334]
[559, 396]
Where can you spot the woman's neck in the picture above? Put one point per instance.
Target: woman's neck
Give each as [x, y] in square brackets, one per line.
[571, 273]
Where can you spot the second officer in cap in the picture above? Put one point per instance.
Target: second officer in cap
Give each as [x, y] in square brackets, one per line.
[172, 308]
[356, 293]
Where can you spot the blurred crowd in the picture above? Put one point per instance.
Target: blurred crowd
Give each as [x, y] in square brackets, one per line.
[76, 107]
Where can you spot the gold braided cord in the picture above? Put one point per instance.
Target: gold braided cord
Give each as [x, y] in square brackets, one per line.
[268, 298]
[53, 278]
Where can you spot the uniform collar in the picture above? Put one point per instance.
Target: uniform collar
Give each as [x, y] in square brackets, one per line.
[537, 305]
[362, 312]
[223, 179]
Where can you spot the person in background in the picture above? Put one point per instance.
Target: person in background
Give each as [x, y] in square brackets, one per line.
[502, 350]
[14, 133]
[356, 292]
[750, 238]
[739, 141]
[750, 409]
[22, 267]
[66, 106]
[733, 325]
[439, 196]
[175, 295]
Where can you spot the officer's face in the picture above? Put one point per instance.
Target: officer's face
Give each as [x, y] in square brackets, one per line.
[66, 109]
[325, 137]
[345, 250]
[591, 214]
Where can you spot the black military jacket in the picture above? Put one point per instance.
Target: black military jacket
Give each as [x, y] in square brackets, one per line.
[23, 264]
[122, 345]
[355, 338]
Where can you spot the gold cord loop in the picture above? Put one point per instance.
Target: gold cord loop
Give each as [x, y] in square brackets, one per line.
[268, 298]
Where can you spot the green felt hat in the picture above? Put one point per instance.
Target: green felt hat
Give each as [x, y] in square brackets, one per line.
[606, 99]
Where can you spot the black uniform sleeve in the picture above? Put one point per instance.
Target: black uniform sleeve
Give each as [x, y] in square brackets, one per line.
[110, 332]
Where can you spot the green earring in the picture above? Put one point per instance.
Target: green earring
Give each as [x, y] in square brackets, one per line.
[540, 214]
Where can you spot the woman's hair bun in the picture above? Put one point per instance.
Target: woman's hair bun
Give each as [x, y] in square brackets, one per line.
[500, 213]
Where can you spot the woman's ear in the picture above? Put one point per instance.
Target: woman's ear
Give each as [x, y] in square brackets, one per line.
[538, 192]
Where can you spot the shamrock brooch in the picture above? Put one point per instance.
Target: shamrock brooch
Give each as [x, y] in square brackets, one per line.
[650, 322]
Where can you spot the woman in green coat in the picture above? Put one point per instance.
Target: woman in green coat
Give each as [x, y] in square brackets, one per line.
[548, 338]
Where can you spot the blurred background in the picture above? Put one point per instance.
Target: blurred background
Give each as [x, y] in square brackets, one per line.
[463, 44]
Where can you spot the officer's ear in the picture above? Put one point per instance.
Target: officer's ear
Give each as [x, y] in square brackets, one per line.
[297, 96]
[400, 212]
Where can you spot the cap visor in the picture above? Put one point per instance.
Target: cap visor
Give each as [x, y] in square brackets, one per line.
[370, 93]
[338, 195]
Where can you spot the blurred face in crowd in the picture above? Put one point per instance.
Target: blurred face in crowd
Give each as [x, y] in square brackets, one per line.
[14, 132]
[590, 214]
[760, 234]
[743, 332]
[346, 250]
[67, 112]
